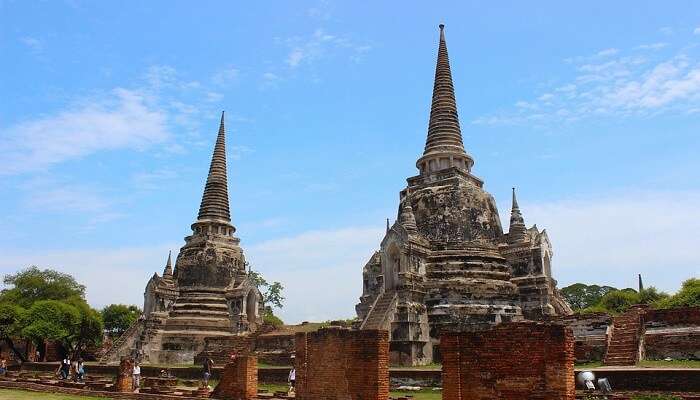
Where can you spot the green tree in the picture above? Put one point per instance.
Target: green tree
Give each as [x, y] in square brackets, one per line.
[11, 325]
[50, 320]
[32, 284]
[687, 296]
[118, 318]
[581, 296]
[88, 331]
[651, 295]
[271, 295]
[618, 301]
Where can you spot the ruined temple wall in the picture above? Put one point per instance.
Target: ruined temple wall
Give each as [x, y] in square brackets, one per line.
[673, 333]
[338, 363]
[524, 360]
[590, 334]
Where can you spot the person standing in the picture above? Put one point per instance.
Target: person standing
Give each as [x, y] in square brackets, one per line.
[136, 375]
[65, 368]
[3, 366]
[80, 370]
[207, 366]
[292, 380]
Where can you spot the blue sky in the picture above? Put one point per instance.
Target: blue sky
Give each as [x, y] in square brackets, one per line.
[109, 111]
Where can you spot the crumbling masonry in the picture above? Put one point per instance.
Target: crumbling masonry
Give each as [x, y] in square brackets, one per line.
[446, 260]
[208, 293]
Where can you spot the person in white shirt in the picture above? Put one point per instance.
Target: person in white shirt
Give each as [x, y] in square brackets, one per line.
[136, 374]
[292, 379]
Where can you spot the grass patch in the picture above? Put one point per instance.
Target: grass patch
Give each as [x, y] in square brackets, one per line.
[11, 394]
[432, 366]
[669, 364]
[423, 394]
[588, 365]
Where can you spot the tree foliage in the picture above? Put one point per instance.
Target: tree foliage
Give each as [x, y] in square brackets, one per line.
[581, 296]
[687, 296]
[47, 305]
[271, 295]
[271, 292]
[33, 284]
[118, 318]
[50, 320]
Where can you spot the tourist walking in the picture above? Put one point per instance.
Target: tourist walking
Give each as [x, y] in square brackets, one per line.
[80, 370]
[3, 366]
[64, 368]
[207, 366]
[292, 380]
[136, 375]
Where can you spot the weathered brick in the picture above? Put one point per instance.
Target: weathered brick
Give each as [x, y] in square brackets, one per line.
[338, 363]
[520, 361]
[239, 380]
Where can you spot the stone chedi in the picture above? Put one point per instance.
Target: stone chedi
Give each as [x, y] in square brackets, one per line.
[446, 261]
[207, 294]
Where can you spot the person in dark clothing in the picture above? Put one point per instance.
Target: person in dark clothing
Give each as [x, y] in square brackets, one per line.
[207, 366]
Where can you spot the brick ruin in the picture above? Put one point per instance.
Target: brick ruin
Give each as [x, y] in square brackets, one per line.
[335, 363]
[512, 361]
[207, 294]
[239, 380]
[446, 260]
[639, 334]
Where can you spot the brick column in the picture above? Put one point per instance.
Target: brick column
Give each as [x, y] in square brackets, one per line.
[239, 380]
[338, 363]
[125, 380]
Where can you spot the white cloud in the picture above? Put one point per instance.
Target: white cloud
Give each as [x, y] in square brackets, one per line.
[652, 46]
[294, 58]
[319, 44]
[112, 275]
[321, 270]
[625, 86]
[34, 44]
[123, 120]
[152, 180]
[610, 239]
[225, 76]
[696, 31]
[608, 52]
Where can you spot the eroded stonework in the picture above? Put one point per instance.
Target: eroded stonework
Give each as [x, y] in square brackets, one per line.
[207, 294]
[446, 262]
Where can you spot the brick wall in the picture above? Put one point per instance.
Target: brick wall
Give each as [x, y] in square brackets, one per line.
[686, 316]
[590, 334]
[518, 361]
[239, 380]
[338, 363]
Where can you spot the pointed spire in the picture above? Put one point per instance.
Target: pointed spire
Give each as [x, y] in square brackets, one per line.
[444, 134]
[387, 224]
[641, 285]
[168, 266]
[214, 204]
[517, 231]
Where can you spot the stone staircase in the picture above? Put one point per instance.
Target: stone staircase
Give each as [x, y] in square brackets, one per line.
[378, 317]
[201, 311]
[623, 345]
[126, 340]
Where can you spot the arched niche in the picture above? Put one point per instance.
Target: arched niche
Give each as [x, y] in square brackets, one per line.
[392, 266]
[251, 308]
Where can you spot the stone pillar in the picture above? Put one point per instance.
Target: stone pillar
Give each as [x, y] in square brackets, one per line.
[125, 380]
[512, 361]
[239, 380]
